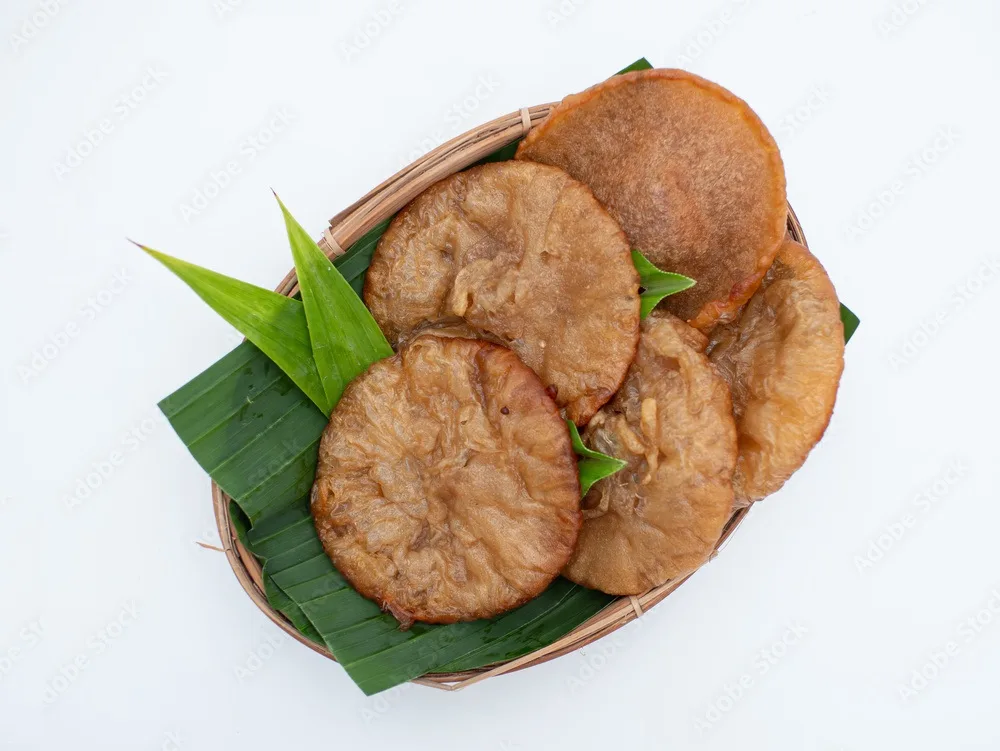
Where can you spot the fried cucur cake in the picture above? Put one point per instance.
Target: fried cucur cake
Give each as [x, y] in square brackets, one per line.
[661, 516]
[688, 170]
[447, 488]
[783, 359]
[525, 254]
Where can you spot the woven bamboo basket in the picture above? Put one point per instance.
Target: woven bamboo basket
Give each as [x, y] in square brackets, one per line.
[347, 227]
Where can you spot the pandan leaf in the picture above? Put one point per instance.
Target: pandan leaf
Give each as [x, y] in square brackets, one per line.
[273, 322]
[640, 64]
[345, 338]
[851, 322]
[593, 465]
[656, 284]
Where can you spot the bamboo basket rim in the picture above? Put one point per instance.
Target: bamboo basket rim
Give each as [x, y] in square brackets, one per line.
[345, 228]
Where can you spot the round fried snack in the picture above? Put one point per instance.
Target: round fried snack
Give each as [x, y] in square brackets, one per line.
[782, 359]
[447, 487]
[688, 170]
[526, 254]
[661, 516]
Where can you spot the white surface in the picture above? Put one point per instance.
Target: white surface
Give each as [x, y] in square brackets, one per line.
[853, 91]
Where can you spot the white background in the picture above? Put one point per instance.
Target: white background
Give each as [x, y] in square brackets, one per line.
[886, 114]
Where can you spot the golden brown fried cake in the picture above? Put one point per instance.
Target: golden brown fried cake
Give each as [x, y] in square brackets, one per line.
[526, 254]
[447, 487]
[662, 515]
[783, 359]
[688, 170]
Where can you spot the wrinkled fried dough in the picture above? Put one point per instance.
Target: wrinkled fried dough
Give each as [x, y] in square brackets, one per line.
[447, 487]
[526, 254]
[662, 515]
[688, 170]
[783, 359]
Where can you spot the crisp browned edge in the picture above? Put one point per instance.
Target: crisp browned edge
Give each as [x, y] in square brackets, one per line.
[347, 227]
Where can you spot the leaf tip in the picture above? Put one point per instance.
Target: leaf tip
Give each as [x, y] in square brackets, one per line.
[284, 209]
[144, 248]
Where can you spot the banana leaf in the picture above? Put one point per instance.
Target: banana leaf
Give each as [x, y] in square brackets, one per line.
[278, 599]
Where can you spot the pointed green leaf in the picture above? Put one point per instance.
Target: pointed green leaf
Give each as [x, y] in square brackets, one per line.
[345, 338]
[640, 64]
[656, 284]
[275, 323]
[593, 465]
[851, 322]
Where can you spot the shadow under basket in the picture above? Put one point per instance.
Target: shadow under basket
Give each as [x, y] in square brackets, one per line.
[347, 227]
